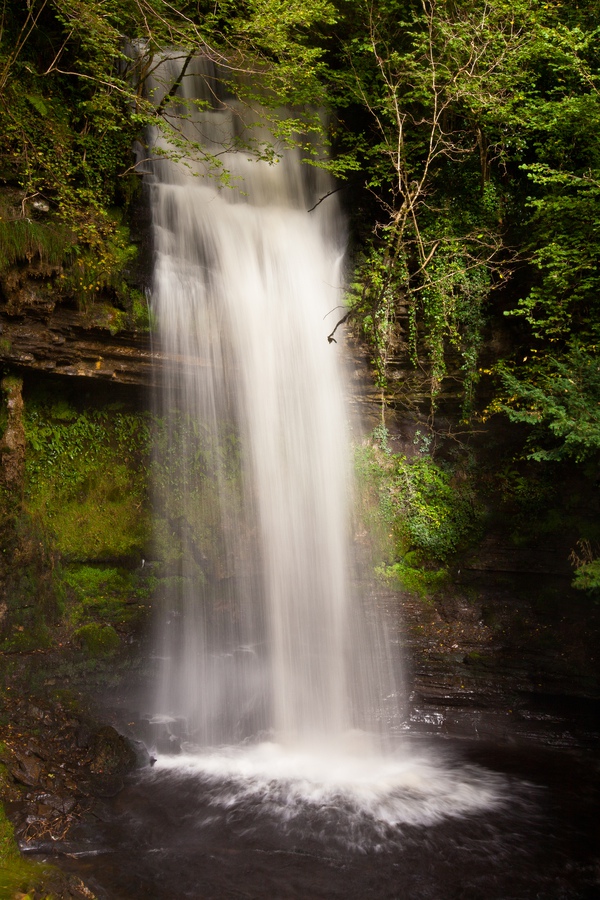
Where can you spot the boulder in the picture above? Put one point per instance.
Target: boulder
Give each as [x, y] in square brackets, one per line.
[112, 753]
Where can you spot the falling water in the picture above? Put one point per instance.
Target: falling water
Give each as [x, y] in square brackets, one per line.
[269, 665]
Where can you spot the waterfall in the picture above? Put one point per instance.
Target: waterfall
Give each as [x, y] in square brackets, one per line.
[262, 630]
[275, 676]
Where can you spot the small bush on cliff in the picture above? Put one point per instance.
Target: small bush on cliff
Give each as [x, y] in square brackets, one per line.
[419, 513]
[587, 578]
[586, 561]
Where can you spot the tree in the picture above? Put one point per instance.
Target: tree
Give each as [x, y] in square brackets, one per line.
[74, 97]
[473, 132]
[427, 76]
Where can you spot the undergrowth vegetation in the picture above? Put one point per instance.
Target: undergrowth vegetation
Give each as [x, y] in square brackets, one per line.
[416, 513]
[86, 481]
[76, 537]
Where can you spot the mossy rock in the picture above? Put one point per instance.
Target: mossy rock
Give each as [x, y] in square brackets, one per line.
[419, 581]
[86, 478]
[112, 753]
[99, 641]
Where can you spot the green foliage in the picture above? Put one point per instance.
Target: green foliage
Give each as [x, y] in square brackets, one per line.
[560, 400]
[84, 259]
[475, 126]
[140, 314]
[427, 75]
[587, 577]
[76, 95]
[438, 517]
[586, 562]
[379, 281]
[419, 514]
[25, 239]
[551, 125]
[86, 479]
[98, 260]
[566, 251]
[83, 81]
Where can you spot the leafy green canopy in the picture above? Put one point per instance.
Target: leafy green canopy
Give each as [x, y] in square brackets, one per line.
[560, 399]
[74, 98]
[427, 76]
[473, 125]
[476, 124]
[554, 384]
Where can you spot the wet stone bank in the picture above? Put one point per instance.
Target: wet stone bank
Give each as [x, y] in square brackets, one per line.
[56, 766]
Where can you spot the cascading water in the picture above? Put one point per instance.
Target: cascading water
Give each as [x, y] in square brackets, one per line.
[244, 281]
[270, 670]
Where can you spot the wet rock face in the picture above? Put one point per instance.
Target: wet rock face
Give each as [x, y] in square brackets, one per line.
[112, 753]
[56, 339]
[53, 781]
[503, 657]
[27, 287]
[12, 448]
[27, 769]
[62, 341]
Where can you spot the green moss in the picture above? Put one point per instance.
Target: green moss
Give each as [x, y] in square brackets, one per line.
[86, 480]
[28, 581]
[97, 516]
[111, 595]
[104, 315]
[69, 700]
[23, 639]
[9, 851]
[85, 502]
[417, 580]
[11, 383]
[99, 641]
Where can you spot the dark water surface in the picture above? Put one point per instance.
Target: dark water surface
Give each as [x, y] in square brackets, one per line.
[165, 837]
